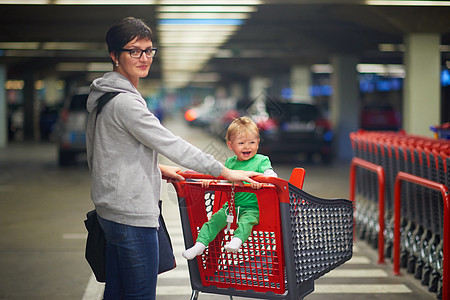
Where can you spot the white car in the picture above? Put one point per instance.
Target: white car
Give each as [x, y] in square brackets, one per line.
[72, 128]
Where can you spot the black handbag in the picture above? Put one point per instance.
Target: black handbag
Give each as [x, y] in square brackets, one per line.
[167, 260]
[95, 253]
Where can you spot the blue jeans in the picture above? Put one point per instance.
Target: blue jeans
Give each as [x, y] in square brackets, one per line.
[132, 256]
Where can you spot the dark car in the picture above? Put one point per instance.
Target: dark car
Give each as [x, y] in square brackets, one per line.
[71, 130]
[380, 117]
[48, 119]
[289, 130]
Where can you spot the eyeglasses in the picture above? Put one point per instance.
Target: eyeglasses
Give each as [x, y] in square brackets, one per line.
[137, 53]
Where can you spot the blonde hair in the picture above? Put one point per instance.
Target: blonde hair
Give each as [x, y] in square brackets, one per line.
[240, 125]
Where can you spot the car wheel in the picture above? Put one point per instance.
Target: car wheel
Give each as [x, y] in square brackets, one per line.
[327, 158]
[65, 158]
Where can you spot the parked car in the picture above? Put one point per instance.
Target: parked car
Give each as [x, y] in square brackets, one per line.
[48, 119]
[380, 117]
[71, 129]
[15, 122]
[291, 129]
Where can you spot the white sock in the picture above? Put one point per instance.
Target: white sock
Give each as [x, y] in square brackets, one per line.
[233, 245]
[195, 250]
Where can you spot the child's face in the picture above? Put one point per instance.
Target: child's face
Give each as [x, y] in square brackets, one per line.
[244, 145]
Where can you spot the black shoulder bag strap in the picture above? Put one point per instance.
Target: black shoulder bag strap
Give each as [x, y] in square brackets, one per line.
[95, 252]
[103, 100]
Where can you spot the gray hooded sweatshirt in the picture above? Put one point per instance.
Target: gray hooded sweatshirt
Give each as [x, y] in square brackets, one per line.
[123, 152]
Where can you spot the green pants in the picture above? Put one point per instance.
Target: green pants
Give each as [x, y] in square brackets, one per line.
[248, 217]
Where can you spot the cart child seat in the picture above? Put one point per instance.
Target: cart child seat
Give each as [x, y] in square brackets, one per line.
[299, 238]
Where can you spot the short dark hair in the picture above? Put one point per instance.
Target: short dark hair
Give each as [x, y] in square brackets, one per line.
[125, 31]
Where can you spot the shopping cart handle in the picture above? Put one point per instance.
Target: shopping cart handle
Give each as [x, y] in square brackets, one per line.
[196, 175]
[281, 185]
[278, 182]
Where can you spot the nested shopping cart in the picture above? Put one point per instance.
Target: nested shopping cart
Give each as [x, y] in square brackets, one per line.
[299, 238]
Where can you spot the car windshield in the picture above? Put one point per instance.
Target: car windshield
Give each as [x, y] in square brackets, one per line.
[301, 111]
[78, 103]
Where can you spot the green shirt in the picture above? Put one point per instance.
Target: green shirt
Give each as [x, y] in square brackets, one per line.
[258, 163]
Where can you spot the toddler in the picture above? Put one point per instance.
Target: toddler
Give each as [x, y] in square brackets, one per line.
[243, 139]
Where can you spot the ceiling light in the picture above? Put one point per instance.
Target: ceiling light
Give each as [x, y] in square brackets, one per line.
[203, 15]
[102, 2]
[192, 28]
[209, 8]
[24, 2]
[189, 51]
[210, 2]
[83, 67]
[407, 3]
[79, 2]
[380, 69]
[19, 45]
[206, 77]
[391, 47]
[322, 69]
[72, 46]
[206, 22]
[187, 40]
[401, 48]
[192, 34]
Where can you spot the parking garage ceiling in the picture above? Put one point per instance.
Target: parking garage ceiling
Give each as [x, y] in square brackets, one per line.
[276, 35]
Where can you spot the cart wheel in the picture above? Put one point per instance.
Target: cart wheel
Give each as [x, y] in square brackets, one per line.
[419, 268]
[426, 275]
[194, 295]
[388, 250]
[434, 280]
[404, 259]
[439, 289]
[411, 264]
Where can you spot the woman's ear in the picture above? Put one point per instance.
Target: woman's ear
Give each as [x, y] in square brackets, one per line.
[114, 58]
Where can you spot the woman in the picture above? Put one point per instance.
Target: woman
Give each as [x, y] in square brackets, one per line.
[122, 147]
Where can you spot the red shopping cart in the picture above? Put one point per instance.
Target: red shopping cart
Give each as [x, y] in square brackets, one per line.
[299, 238]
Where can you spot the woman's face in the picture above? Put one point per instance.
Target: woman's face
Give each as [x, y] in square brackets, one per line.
[134, 68]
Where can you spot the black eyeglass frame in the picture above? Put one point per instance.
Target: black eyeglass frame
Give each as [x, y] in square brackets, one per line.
[152, 51]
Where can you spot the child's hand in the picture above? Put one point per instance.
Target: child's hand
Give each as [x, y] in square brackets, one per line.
[256, 186]
[206, 182]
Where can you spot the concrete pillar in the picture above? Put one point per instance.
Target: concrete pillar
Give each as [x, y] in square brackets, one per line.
[29, 108]
[237, 91]
[3, 109]
[258, 87]
[422, 93]
[51, 90]
[301, 81]
[344, 104]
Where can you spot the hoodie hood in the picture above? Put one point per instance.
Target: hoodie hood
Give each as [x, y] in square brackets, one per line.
[110, 82]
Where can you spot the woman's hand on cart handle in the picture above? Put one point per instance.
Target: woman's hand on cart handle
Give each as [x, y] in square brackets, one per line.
[171, 173]
[239, 176]
[207, 182]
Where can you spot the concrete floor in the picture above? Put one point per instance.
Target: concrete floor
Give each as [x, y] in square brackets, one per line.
[42, 208]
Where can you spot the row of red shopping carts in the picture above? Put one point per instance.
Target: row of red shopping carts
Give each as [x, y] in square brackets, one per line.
[299, 238]
[400, 183]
